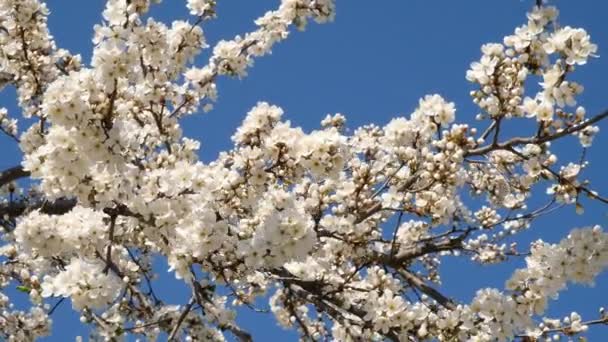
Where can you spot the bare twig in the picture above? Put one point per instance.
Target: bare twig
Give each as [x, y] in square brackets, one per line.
[535, 140]
[592, 194]
[431, 292]
[180, 320]
[488, 130]
[56, 306]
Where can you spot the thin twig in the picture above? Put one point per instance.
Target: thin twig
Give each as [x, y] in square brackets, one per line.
[56, 306]
[181, 319]
[535, 140]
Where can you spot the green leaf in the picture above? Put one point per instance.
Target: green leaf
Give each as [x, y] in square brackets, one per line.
[23, 288]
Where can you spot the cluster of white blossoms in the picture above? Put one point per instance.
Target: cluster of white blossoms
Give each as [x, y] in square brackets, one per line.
[85, 283]
[200, 7]
[54, 235]
[233, 57]
[342, 231]
[282, 232]
[29, 57]
[7, 125]
[503, 69]
[578, 258]
[574, 43]
[437, 109]
[22, 325]
[501, 77]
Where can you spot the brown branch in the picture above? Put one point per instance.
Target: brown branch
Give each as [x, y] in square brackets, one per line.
[179, 107]
[417, 251]
[180, 320]
[110, 265]
[378, 206]
[158, 121]
[12, 174]
[18, 208]
[238, 332]
[567, 330]
[496, 131]
[428, 290]
[56, 306]
[535, 140]
[200, 296]
[110, 242]
[144, 272]
[334, 310]
[292, 309]
[311, 291]
[108, 116]
[150, 324]
[592, 194]
[10, 135]
[488, 130]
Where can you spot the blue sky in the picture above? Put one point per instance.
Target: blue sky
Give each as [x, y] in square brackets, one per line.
[371, 64]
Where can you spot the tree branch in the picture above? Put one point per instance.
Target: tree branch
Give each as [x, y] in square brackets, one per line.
[567, 330]
[378, 206]
[416, 251]
[12, 174]
[110, 242]
[535, 140]
[431, 292]
[239, 333]
[334, 310]
[180, 320]
[57, 207]
[592, 194]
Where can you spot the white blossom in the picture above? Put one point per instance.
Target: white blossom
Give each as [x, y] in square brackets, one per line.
[342, 230]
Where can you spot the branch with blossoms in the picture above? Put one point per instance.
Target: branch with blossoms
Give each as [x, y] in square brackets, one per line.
[571, 326]
[343, 234]
[519, 141]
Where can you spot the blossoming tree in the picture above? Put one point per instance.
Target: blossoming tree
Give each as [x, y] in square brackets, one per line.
[341, 233]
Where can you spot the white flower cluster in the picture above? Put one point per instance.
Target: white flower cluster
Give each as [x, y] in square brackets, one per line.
[574, 43]
[259, 120]
[503, 69]
[281, 233]
[386, 310]
[567, 190]
[487, 216]
[7, 125]
[197, 237]
[85, 283]
[200, 7]
[82, 231]
[578, 258]
[28, 57]
[232, 57]
[348, 227]
[501, 77]
[412, 231]
[18, 325]
[323, 152]
[437, 109]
